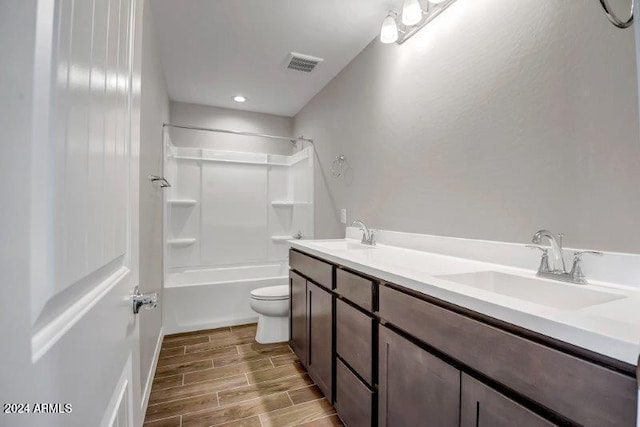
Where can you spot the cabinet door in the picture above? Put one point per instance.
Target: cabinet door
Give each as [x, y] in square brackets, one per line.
[298, 318]
[320, 321]
[483, 406]
[416, 388]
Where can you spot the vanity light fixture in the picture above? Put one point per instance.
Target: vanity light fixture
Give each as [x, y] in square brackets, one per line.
[411, 12]
[389, 30]
[239, 98]
[414, 18]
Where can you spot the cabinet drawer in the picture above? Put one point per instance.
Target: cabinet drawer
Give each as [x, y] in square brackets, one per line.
[353, 398]
[355, 288]
[354, 338]
[316, 270]
[581, 391]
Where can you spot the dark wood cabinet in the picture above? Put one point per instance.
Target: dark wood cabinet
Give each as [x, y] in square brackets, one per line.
[403, 358]
[311, 335]
[354, 400]
[320, 337]
[355, 288]
[415, 388]
[298, 318]
[319, 271]
[482, 406]
[579, 390]
[354, 339]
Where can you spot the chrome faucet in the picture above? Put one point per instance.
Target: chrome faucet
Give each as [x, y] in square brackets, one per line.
[557, 259]
[557, 270]
[368, 236]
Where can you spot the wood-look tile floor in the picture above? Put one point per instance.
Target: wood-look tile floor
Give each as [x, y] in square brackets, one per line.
[223, 377]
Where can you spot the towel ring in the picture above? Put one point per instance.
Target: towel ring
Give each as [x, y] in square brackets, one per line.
[337, 167]
[613, 18]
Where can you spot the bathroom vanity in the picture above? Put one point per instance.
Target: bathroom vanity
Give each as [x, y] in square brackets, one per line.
[388, 353]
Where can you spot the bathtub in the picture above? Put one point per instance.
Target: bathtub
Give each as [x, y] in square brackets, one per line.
[206, 298]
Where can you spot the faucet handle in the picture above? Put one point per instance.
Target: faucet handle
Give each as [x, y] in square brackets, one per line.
[576, 269]
[544, 261]
[578, 255]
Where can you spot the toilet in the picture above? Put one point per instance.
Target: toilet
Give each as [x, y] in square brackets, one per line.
[272, 305]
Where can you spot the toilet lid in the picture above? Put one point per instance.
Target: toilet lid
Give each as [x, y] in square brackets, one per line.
[279, 292]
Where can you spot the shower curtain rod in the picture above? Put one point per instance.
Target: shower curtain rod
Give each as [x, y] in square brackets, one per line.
[235, 132]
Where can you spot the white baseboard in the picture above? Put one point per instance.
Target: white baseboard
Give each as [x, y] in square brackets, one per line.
[152, 374]
[175, 329]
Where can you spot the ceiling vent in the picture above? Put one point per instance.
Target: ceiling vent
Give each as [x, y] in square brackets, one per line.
[304, 63]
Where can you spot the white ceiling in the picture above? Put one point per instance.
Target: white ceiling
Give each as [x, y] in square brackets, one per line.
[212, 50]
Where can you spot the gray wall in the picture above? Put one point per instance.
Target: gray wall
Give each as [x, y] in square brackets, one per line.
[154, 111]
[496, 120]
[224, 118]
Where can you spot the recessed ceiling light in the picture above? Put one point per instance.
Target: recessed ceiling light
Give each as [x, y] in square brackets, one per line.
[239, 98]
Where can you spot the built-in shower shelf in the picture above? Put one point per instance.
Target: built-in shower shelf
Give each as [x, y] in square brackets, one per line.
[184, 203]
[287, 203]
[277, 239]
[205, 155]
[181, 243]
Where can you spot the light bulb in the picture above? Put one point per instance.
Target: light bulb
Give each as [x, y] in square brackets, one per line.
[389, 30]
[411, 12]
[239, 98]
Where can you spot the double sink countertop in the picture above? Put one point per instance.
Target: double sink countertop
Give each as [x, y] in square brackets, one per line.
[600, 317]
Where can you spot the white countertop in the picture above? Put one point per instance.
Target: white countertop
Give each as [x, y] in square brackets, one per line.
[611, 329]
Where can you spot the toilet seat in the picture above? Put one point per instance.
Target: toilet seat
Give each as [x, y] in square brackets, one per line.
[271, 293]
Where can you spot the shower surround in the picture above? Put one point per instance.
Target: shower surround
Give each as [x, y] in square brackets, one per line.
[228, 216]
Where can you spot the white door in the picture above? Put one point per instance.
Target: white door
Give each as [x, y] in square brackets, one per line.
[636, 13]
[70, 339]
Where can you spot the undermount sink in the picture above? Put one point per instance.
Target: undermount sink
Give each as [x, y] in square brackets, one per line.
[342, 245]
[542, 292]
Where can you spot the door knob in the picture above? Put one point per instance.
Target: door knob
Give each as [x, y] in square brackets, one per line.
[139, 299]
